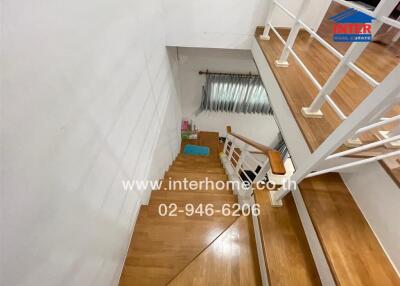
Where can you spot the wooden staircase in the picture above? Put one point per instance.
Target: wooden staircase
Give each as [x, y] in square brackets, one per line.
[220, 250]
[163, 246]
[353, 254]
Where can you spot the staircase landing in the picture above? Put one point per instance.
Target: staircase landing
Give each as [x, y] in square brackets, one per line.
[288, 258]
[350, 246]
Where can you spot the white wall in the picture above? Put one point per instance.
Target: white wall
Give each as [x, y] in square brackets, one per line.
[261, 128]
[168, 145]
[228, 24]
[84, 89]
[378, 197]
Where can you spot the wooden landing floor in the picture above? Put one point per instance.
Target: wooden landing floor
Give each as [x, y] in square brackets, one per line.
[288, 258]
[351, 248]
[230, 260]
[300, 92]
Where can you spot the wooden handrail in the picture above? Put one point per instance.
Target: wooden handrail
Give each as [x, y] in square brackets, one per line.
[275, 159]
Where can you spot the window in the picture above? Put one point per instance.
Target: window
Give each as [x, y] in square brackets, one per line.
[235, 93]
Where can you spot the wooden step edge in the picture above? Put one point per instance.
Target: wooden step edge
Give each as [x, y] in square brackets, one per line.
[201, 189]
[213, 159]
[212, 192]
[210, 172]
[197, 163]
[186, 157]
[166, 187]
[195, 176]
[288, 258]
[189, 194]
[196, 169]
[353, 253]
[215, 162]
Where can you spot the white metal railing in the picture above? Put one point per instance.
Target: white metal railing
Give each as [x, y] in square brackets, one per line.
[242, 164]
[359, 121]
[239, 161]
[381, 14]
[367, 116]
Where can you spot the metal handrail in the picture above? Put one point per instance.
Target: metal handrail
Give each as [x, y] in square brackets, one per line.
[323, 94]
[379, 99]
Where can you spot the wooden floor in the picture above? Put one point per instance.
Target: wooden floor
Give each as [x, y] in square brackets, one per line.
[300, 92]
[288, 257]
[230, 260]
[164, 248]
[351, 248]
[382, 41]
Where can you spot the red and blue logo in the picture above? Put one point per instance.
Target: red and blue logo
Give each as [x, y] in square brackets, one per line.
[352, 26]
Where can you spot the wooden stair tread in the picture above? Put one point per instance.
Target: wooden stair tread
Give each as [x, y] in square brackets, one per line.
[197, 158]
[201, 188]
[197, 164]
[188, 156]
[288, 257]
[351, 248]
[216, 266]
[164, 188]
[195, 176]
[299, 91]
[212, 170]
[158, 197]
[175, 181]
[200, 162]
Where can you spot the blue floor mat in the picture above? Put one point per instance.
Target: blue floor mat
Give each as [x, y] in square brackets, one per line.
[196, 150]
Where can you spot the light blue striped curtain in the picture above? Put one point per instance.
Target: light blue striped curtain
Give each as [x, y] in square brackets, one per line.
[281, 147]
[235, 93]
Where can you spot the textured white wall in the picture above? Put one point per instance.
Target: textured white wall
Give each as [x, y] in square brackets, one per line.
[228, 24]
[84, 91]
[261, 128]
[378, 197]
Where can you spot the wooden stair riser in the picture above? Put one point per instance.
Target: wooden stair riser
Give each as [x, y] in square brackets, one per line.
[181, 200]
[179, 185]
[195, 176]
[199, 160]
[196, 169]
[197, 164]
[194, 157]
[199, 188]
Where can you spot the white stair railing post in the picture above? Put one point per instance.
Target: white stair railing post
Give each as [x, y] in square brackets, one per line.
[267, 26]
[226, 144]
[384, 8]
[373, 104]
[282, 62]
[244, 152]
[232, 148]
[263, 171]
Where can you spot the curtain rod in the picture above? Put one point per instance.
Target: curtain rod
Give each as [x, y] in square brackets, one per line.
[237, 74]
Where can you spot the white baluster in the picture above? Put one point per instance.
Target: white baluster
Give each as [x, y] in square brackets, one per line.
[384, 8]
[282, 62]
[267, 26]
